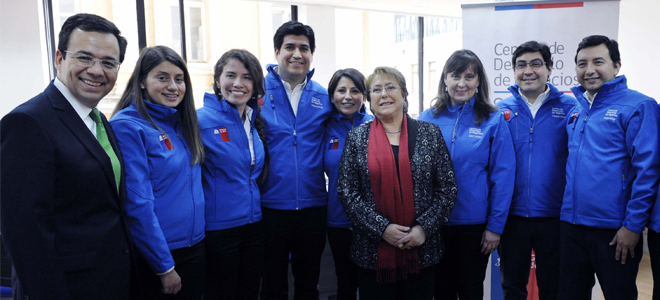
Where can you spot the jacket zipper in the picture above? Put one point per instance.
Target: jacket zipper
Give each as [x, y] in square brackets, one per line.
[453, 137]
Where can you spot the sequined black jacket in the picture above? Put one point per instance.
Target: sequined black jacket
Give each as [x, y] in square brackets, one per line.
[434, 192]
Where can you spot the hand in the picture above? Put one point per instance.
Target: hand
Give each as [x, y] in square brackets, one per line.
[415, 238]
[171, 282]
[489, 242]
[625, 241]
[393, 233]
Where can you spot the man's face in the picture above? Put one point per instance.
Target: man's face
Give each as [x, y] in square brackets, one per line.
[532, 80]
[294, 58]
[595, 67]
[88, 84]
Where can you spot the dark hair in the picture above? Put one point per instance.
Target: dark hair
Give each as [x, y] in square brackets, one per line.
[150, 58]
[350, 73]
[389, 71]
[534, 46]
[294, 28]
[595, 40]
[253, 66]
[89, 22]
[458, 62]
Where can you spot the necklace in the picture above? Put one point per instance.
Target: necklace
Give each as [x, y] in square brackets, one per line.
[393, 131]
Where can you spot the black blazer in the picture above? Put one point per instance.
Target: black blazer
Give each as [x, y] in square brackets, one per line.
[62, 217]
[434, 192]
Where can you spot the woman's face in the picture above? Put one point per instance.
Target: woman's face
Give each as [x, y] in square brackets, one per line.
[235, 83]
[165, 85]
[347, 98]
[461, 87]
[386, 97]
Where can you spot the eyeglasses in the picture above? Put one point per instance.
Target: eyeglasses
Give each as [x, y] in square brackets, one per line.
[88, 61]
[534, 64]
[388, 89]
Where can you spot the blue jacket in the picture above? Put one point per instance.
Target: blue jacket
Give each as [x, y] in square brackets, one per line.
[230, 184]
[541, 145]
[335, 137]
[612, 167]
[164, 199]
[484, 162]
[295, 144]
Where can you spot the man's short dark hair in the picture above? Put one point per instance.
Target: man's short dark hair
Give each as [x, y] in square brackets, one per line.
[294, 28]
[89, 22]
[534, 46]
[595, 40]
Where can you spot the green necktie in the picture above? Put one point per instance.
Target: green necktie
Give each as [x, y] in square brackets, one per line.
[102, 137]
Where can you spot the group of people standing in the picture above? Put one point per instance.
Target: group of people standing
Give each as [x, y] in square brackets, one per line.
[168, 202]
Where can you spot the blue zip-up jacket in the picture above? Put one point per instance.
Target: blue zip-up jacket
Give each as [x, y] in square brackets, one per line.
[335, 137]
[612, 166]
[541, 145]
[230, 183]
[164, 198]
[484, 162]
[295, 144]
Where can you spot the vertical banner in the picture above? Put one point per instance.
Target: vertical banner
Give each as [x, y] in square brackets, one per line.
[494, 30]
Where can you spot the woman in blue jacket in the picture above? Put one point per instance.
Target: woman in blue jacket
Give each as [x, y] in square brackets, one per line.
[347, 92]
[232, 131]
[156, 126]
[483, 156]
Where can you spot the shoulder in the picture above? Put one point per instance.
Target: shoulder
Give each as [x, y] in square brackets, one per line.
[426, 129]
[427, 114]
[128, 120]
[506, 103]
[317, 88]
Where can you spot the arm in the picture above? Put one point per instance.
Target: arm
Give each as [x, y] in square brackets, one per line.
[360, 210]
[444, 186]
[501, 176]
[142, 220]
[27, 157]
[642, 146]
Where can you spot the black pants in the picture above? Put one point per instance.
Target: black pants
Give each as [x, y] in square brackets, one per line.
[462, 269]
[520, 236]
[585, 251]
[654, 251]
[234, 262]
[416, 287]
[340, 244]
[301, 234]
[189, 263]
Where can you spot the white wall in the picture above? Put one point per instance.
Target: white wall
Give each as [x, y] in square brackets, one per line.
[23, 64]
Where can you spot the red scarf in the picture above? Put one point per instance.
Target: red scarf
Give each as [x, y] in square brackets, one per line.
[394, 199]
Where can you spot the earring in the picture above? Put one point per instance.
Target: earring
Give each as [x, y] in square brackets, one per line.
[476, 90]
[446, 89]
[142, 86]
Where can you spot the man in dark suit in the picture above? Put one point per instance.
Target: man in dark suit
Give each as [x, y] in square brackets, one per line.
[62, 185]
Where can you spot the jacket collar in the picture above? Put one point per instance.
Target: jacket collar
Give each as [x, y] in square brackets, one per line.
[271, 70]
[467, 107]
[617, 84]
[211, 101]
[162, 113]
[554, 92]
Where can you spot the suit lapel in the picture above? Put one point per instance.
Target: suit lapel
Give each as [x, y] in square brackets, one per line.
[74, 123]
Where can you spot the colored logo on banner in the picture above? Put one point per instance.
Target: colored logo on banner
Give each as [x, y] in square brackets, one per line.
[224, 135]
[166, 141]
[333, 144]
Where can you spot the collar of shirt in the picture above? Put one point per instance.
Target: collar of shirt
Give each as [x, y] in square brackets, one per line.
[82, 110]
[534, 107]
[294, 94]
[589, 98]
[247, 126]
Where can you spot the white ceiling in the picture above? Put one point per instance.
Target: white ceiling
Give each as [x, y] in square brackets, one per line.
[440, 8]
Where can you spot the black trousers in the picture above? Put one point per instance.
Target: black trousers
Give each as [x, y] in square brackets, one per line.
[520, 236]
[301, 234]
[654, 251]
[189, 263]
[340, 244]
[234, 262]
[416, 287]
[585, 251]
[462, 269]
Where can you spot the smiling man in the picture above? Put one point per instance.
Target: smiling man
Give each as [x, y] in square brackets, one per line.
[536, 115]
[294, 199]
[611, 177]
[62, 186]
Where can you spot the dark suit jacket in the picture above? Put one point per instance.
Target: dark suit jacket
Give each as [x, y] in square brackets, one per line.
[62, 217]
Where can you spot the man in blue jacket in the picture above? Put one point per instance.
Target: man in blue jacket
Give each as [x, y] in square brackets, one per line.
[536, 115]
[294, 199]
[611, 177]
